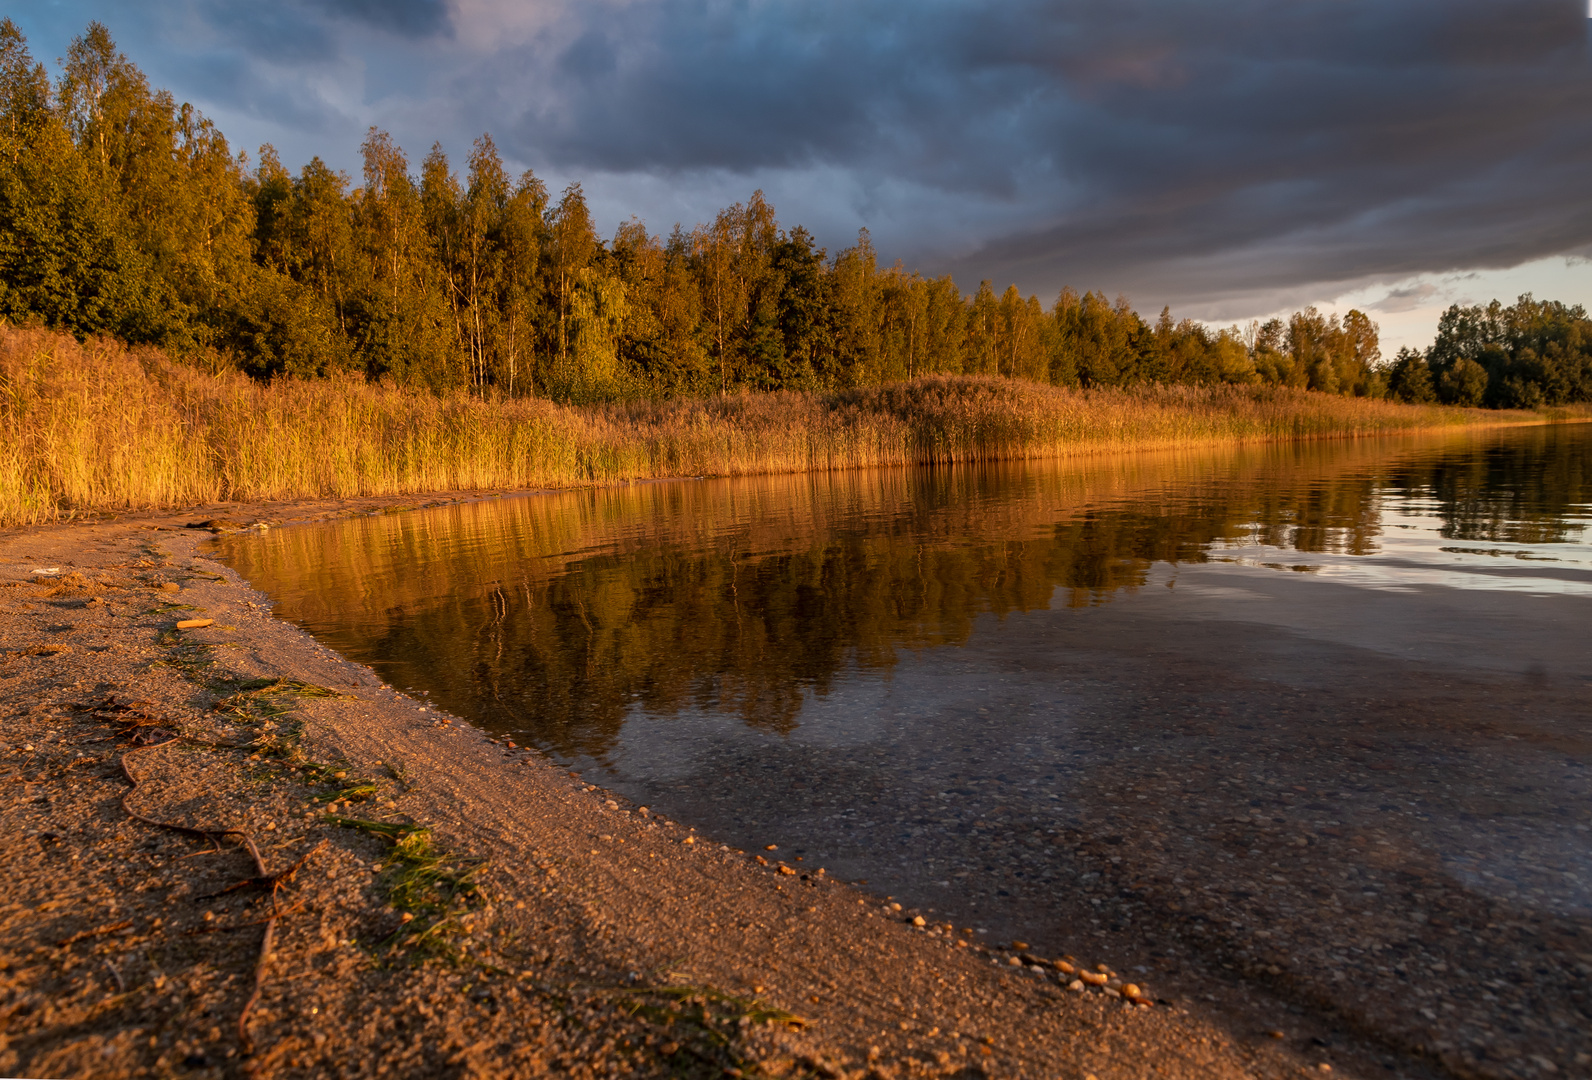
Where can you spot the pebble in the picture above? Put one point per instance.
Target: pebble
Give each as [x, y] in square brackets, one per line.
[917, 920]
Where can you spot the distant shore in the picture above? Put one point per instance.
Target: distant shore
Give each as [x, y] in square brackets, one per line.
[98, 428]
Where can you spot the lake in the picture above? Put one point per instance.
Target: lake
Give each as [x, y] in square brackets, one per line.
[1310, 720]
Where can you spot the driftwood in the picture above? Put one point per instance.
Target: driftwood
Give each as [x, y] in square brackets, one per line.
[263, 880]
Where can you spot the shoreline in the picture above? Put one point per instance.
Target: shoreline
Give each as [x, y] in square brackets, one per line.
[106, 429]
[276, 512]
[618, 907]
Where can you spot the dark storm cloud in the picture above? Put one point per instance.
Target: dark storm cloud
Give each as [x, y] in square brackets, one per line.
[1407, 298]
[1248, 143]
[317, 31]
[677, 86]
[1310, 142]
[1192, 152]
[283, 34]
[271, 61]
[409, 18]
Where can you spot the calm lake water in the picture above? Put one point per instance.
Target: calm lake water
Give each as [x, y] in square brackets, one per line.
[571, 619]
[1073, 700]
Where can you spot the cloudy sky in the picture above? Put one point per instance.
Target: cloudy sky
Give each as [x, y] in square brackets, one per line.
[1230, 158]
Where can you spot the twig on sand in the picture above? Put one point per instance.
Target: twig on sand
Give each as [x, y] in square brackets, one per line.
[263, 880]
[260, 962]
[96, 932]
[229, 927]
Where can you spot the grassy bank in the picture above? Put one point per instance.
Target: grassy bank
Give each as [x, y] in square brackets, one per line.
[94, 427]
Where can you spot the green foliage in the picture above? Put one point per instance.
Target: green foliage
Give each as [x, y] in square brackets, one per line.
[1532, 354]
[1410, 379]
[125, 214]
[432, 887]
[1464, 383]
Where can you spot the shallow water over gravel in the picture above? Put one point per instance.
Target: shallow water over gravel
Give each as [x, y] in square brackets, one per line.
[1310, 721]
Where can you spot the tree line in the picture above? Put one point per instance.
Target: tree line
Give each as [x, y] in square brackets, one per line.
[1530, 354]
[124, 213]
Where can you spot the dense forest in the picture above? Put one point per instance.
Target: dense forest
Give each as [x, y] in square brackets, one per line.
[1534, 353]
[125, 214]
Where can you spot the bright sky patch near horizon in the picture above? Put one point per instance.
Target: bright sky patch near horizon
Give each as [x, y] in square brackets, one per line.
[1231, 159]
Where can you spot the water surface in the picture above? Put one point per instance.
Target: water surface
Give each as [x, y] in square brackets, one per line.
[560, 618]
[1313, 712]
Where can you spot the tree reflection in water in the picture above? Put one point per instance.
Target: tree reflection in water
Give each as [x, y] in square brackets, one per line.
[554, 616]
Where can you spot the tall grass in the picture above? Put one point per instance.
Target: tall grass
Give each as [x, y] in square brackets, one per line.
[97, 427]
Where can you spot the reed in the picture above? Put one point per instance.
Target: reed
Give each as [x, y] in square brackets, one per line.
[94, 427]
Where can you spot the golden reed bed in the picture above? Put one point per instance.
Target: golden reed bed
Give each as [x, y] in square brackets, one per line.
[93, 427]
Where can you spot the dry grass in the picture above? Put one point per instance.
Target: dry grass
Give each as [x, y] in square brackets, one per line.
[97, 427]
